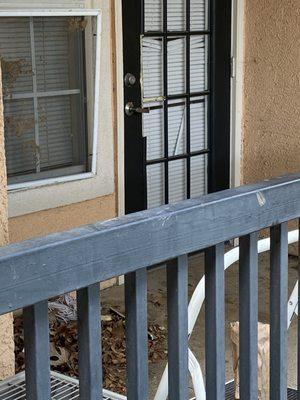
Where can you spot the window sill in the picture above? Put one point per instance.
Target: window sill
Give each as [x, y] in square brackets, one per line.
[17, 187]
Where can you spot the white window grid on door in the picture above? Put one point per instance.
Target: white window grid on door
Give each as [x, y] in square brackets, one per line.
[35, 94]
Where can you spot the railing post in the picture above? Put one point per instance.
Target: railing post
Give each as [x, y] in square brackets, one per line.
[278, 312]
[248, 313]
[177, 282]
[214, 323]
[37, 353]
[89, 343]
[136, 335]
[298, 351]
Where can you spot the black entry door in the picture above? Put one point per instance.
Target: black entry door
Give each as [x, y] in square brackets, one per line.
[177, 97]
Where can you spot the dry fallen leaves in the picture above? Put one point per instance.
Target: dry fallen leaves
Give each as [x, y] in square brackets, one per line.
[64, 347]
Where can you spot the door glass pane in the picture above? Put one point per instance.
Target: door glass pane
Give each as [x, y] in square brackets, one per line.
[198, 124]
[152, 78]
[198, 63]
[177, 180]
[153, 15]
[177, 127]
[155, 185]
[153, 130]
[199, 15]
[176, 15]
[198, 176]
[152, 68]
[176, 66]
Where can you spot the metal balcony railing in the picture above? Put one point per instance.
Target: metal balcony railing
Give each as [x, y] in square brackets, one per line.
[36, 270]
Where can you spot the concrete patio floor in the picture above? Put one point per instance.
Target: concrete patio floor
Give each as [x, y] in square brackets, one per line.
[158, 313]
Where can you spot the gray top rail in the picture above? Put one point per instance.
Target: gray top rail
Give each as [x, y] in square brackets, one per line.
[38, 269]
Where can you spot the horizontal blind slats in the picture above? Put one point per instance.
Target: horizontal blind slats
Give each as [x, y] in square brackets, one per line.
[53, 55]
[155, 185]
[15, 55]
[55, 131]
[176, 15]
[19, 135]
[177, 180]
[152, 88]
[198, 176]
[152, 73]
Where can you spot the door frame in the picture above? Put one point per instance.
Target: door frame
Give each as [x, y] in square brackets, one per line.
[220, 89]
[237, 91]
[236, 107]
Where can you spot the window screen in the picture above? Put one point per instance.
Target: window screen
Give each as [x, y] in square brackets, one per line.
[43, 71]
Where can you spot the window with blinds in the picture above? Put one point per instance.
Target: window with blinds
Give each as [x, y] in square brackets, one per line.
[43, 79]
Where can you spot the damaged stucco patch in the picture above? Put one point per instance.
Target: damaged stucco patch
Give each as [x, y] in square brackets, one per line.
[6, 321]
[271, 131]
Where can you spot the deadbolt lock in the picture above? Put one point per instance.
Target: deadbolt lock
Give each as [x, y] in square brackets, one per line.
[129, 80]
[130, 109]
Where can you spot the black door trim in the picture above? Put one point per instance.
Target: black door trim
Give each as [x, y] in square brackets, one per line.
[134, 142]
[219, 100]
[220, 74]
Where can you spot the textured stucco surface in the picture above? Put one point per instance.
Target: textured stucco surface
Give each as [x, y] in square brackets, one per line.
[6, 321]
[271, 122]
[62, 218]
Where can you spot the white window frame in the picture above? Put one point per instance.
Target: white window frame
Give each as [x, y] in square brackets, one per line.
[69, 13]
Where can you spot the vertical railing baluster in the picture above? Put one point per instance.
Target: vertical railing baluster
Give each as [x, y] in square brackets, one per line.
[37, 357]
[177, 285]
[278, 312]
[248, 315]
[136, 335]
[214, 323]
[89, 343]
[298, 350]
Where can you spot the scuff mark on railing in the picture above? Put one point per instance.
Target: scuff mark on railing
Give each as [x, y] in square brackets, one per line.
[261, 199]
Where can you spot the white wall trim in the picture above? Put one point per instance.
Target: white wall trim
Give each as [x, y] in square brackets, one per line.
[237, 91]
[120, 106]
[49, 13]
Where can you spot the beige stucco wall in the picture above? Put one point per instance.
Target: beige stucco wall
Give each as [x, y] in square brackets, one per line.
[6, 322]
[61, 218]
[271, 121]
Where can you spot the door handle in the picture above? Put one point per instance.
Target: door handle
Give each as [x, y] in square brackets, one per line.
[130, 109]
